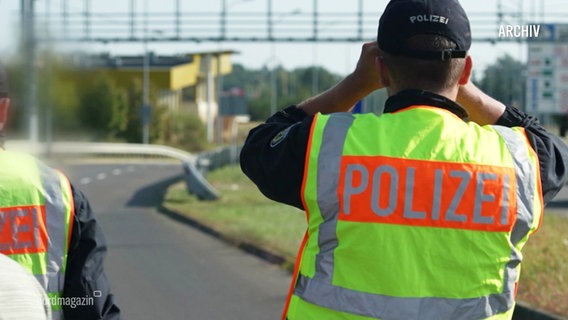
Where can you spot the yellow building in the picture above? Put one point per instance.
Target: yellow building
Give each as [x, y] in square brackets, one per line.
[185, 83]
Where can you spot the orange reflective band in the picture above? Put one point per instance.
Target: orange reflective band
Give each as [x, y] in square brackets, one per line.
[427, 193]
[23, 230]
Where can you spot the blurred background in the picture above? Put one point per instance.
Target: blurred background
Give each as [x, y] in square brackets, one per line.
[165, 66]
[119, 88]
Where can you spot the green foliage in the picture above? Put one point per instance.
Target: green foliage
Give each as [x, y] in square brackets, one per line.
[103, 106]
[185, 131]
[133, 129]
[505, 81]
[292, 87]
[119, 118]
[65, 103]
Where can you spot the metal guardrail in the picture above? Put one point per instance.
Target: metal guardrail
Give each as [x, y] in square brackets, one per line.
[213, 160]
[88, 148]
[195, 182]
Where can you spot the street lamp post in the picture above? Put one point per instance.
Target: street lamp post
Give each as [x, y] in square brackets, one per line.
[273, 84]
[146, 109]
[273, 75]
[28, 23]
[146, 83]
[146, 96]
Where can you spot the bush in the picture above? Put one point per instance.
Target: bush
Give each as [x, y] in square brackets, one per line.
[104, 107]
[185, 131]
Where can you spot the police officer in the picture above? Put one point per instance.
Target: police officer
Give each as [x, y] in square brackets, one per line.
[420, 213]
[48, 227]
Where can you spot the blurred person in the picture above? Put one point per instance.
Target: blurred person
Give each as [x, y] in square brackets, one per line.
[21, 296]
[420, 213]
[48, 227]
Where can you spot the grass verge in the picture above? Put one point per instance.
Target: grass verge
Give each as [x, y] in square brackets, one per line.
[245, 215]
[544, 278]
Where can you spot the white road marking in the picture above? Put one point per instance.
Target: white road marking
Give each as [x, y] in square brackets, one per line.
[85, 180]
[116, 172]
[101, 176]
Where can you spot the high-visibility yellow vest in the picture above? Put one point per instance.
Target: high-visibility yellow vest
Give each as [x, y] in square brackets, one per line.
[36, 216]
[414, 215]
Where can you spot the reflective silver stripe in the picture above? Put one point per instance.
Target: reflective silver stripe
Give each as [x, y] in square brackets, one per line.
[329, 160]
[526, 188]
[321, 291]
[56, 221]
[394, 308]
[57, 315]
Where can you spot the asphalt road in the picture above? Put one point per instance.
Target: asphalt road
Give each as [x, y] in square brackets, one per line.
[163, 269]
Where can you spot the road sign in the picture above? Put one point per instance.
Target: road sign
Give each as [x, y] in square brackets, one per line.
[146, 114]
[547, 71]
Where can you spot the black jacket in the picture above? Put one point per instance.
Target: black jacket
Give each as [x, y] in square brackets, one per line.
[274, 154]
[84, 276]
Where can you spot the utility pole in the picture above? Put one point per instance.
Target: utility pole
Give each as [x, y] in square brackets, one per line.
[269, 20]
[224, 20]
[273, 81]
[132, 19]
[48, 71]
[87, 14]
[146, 109]
[315, 71]
[315, 22]
[178, 19]
[28, 24]
[210, 98]
[65, 18]
[360, 31]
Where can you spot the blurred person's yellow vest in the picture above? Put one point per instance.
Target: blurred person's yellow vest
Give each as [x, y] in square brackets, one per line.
[414, 215]
[36, 216]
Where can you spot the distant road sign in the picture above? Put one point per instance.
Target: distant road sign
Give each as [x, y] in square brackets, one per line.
[146, 113]
[547, 71]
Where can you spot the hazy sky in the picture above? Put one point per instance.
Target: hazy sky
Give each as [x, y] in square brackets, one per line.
[339, 58]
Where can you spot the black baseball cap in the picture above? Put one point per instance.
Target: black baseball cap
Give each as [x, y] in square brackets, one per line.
[404, 19]
[3, 81]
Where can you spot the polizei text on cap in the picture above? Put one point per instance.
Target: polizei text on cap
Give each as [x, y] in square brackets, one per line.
[429, 18]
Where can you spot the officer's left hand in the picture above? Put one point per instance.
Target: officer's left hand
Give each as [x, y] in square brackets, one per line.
[366, 71]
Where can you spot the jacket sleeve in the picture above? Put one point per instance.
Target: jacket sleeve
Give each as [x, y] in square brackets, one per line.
[274, 154]
[84, 276]
[551, 150]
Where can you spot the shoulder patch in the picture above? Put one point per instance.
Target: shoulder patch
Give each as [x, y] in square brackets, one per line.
[281, 136]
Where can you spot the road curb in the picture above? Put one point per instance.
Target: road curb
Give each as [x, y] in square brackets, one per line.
[245, 246]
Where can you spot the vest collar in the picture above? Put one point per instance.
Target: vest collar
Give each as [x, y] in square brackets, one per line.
[413, 97]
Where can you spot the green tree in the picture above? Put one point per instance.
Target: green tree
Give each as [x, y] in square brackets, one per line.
[505, 81]
[103, 107]
[292, 86]
[133, 130]
[186, 131]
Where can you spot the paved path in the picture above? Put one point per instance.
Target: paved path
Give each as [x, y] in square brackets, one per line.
[161, 269]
